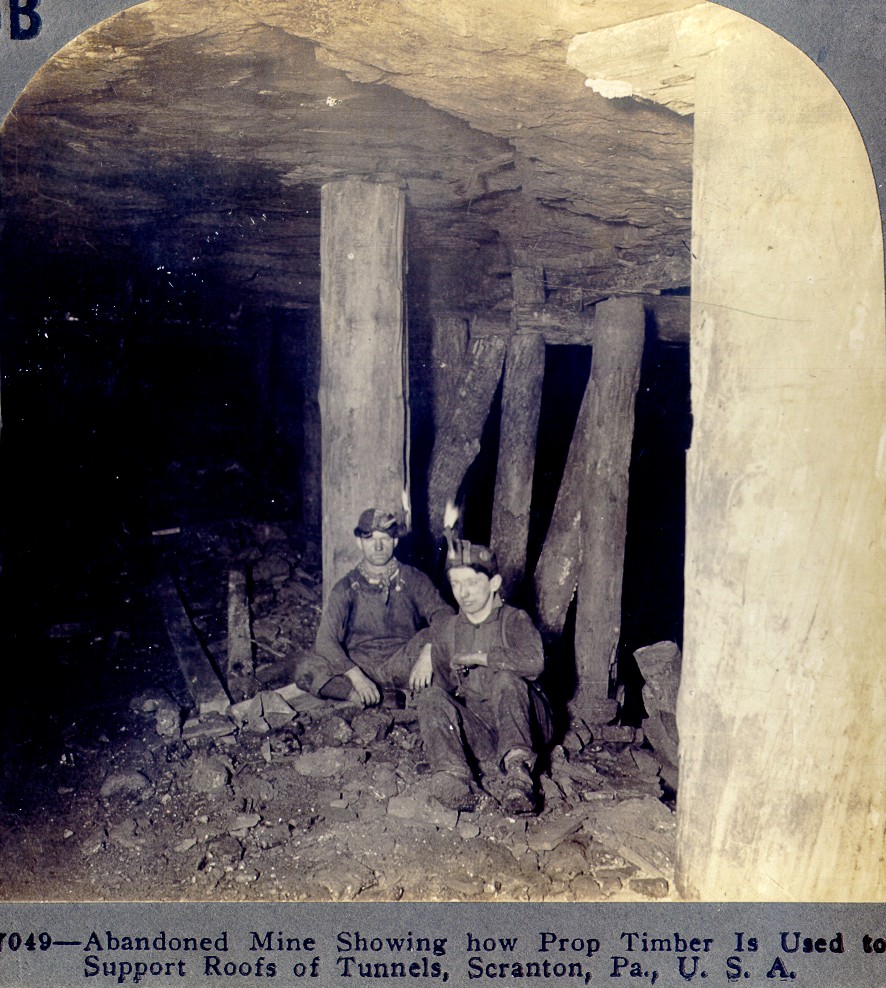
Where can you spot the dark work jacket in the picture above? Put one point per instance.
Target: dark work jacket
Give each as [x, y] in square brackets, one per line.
[509, 638]
[364, 624]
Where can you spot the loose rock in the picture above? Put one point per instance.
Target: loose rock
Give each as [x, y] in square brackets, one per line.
[209, 775]
[244, 821]
[323, 763]
[124, 782]
[420, 812]
[167, 720]
[547, 832]
[270, 568]
[652, 888]
[566, 860]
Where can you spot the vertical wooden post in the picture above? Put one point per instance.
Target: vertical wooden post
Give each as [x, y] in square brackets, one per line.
[363, 384]
[782, 701]
[520, 408]
[239, 663]
[311, 472]
[619, 330]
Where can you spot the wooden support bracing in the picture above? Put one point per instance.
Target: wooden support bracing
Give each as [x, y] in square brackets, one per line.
[311, 470]
[556, 574]
[782, 702]
[449, 341]
[619, 332]
[363, 380]
[556, 324]
[583, 551]
[520, 407]
[458, 436]
[527, 287]
[669, 320]
[239, 665]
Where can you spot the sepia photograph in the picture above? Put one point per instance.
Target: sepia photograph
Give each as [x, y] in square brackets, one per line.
[444, 455]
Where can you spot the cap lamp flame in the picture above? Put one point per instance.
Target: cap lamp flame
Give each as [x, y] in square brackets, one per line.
[450, 515]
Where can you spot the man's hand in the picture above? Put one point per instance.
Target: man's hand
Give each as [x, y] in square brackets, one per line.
[422, 671]
[467, 660]
[365, 693]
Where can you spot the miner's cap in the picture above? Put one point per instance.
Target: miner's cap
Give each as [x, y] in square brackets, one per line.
[378, 520]
[478, 557]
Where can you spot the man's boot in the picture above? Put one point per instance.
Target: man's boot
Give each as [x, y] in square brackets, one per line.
[519, 787]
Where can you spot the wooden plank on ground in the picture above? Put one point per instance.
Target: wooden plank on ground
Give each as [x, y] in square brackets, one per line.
[198, 669]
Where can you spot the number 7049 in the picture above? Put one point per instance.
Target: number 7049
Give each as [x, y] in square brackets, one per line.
[32, 941]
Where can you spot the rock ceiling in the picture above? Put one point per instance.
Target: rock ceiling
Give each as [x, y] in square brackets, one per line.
[195, 138]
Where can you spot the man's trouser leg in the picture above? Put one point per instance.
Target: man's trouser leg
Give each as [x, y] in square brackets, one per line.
[392, 672]
[509, 711]
[449, 730]
[313, 672]
[316, 675]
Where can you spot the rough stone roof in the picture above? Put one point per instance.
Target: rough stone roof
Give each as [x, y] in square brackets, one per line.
[197, 138]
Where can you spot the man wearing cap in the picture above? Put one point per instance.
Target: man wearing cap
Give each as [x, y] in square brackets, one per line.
[375, 625]
[484, 706]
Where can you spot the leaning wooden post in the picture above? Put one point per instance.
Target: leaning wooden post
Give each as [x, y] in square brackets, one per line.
[196, 664]
[618, 336]
[449, 343]
[556, 575]
[458, 438]
[363, 383]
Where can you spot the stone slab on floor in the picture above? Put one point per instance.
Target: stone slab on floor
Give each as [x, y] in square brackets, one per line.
[642, 831]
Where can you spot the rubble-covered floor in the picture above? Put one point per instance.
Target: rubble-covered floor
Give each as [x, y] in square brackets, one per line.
[112, 789]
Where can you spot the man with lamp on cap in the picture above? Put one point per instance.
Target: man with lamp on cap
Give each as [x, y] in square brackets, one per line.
[375, 625]
[484, 707]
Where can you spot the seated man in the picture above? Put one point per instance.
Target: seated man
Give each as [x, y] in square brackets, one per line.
[375, 624]
[483, 703]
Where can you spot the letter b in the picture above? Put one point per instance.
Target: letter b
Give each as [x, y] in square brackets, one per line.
[18, 8]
